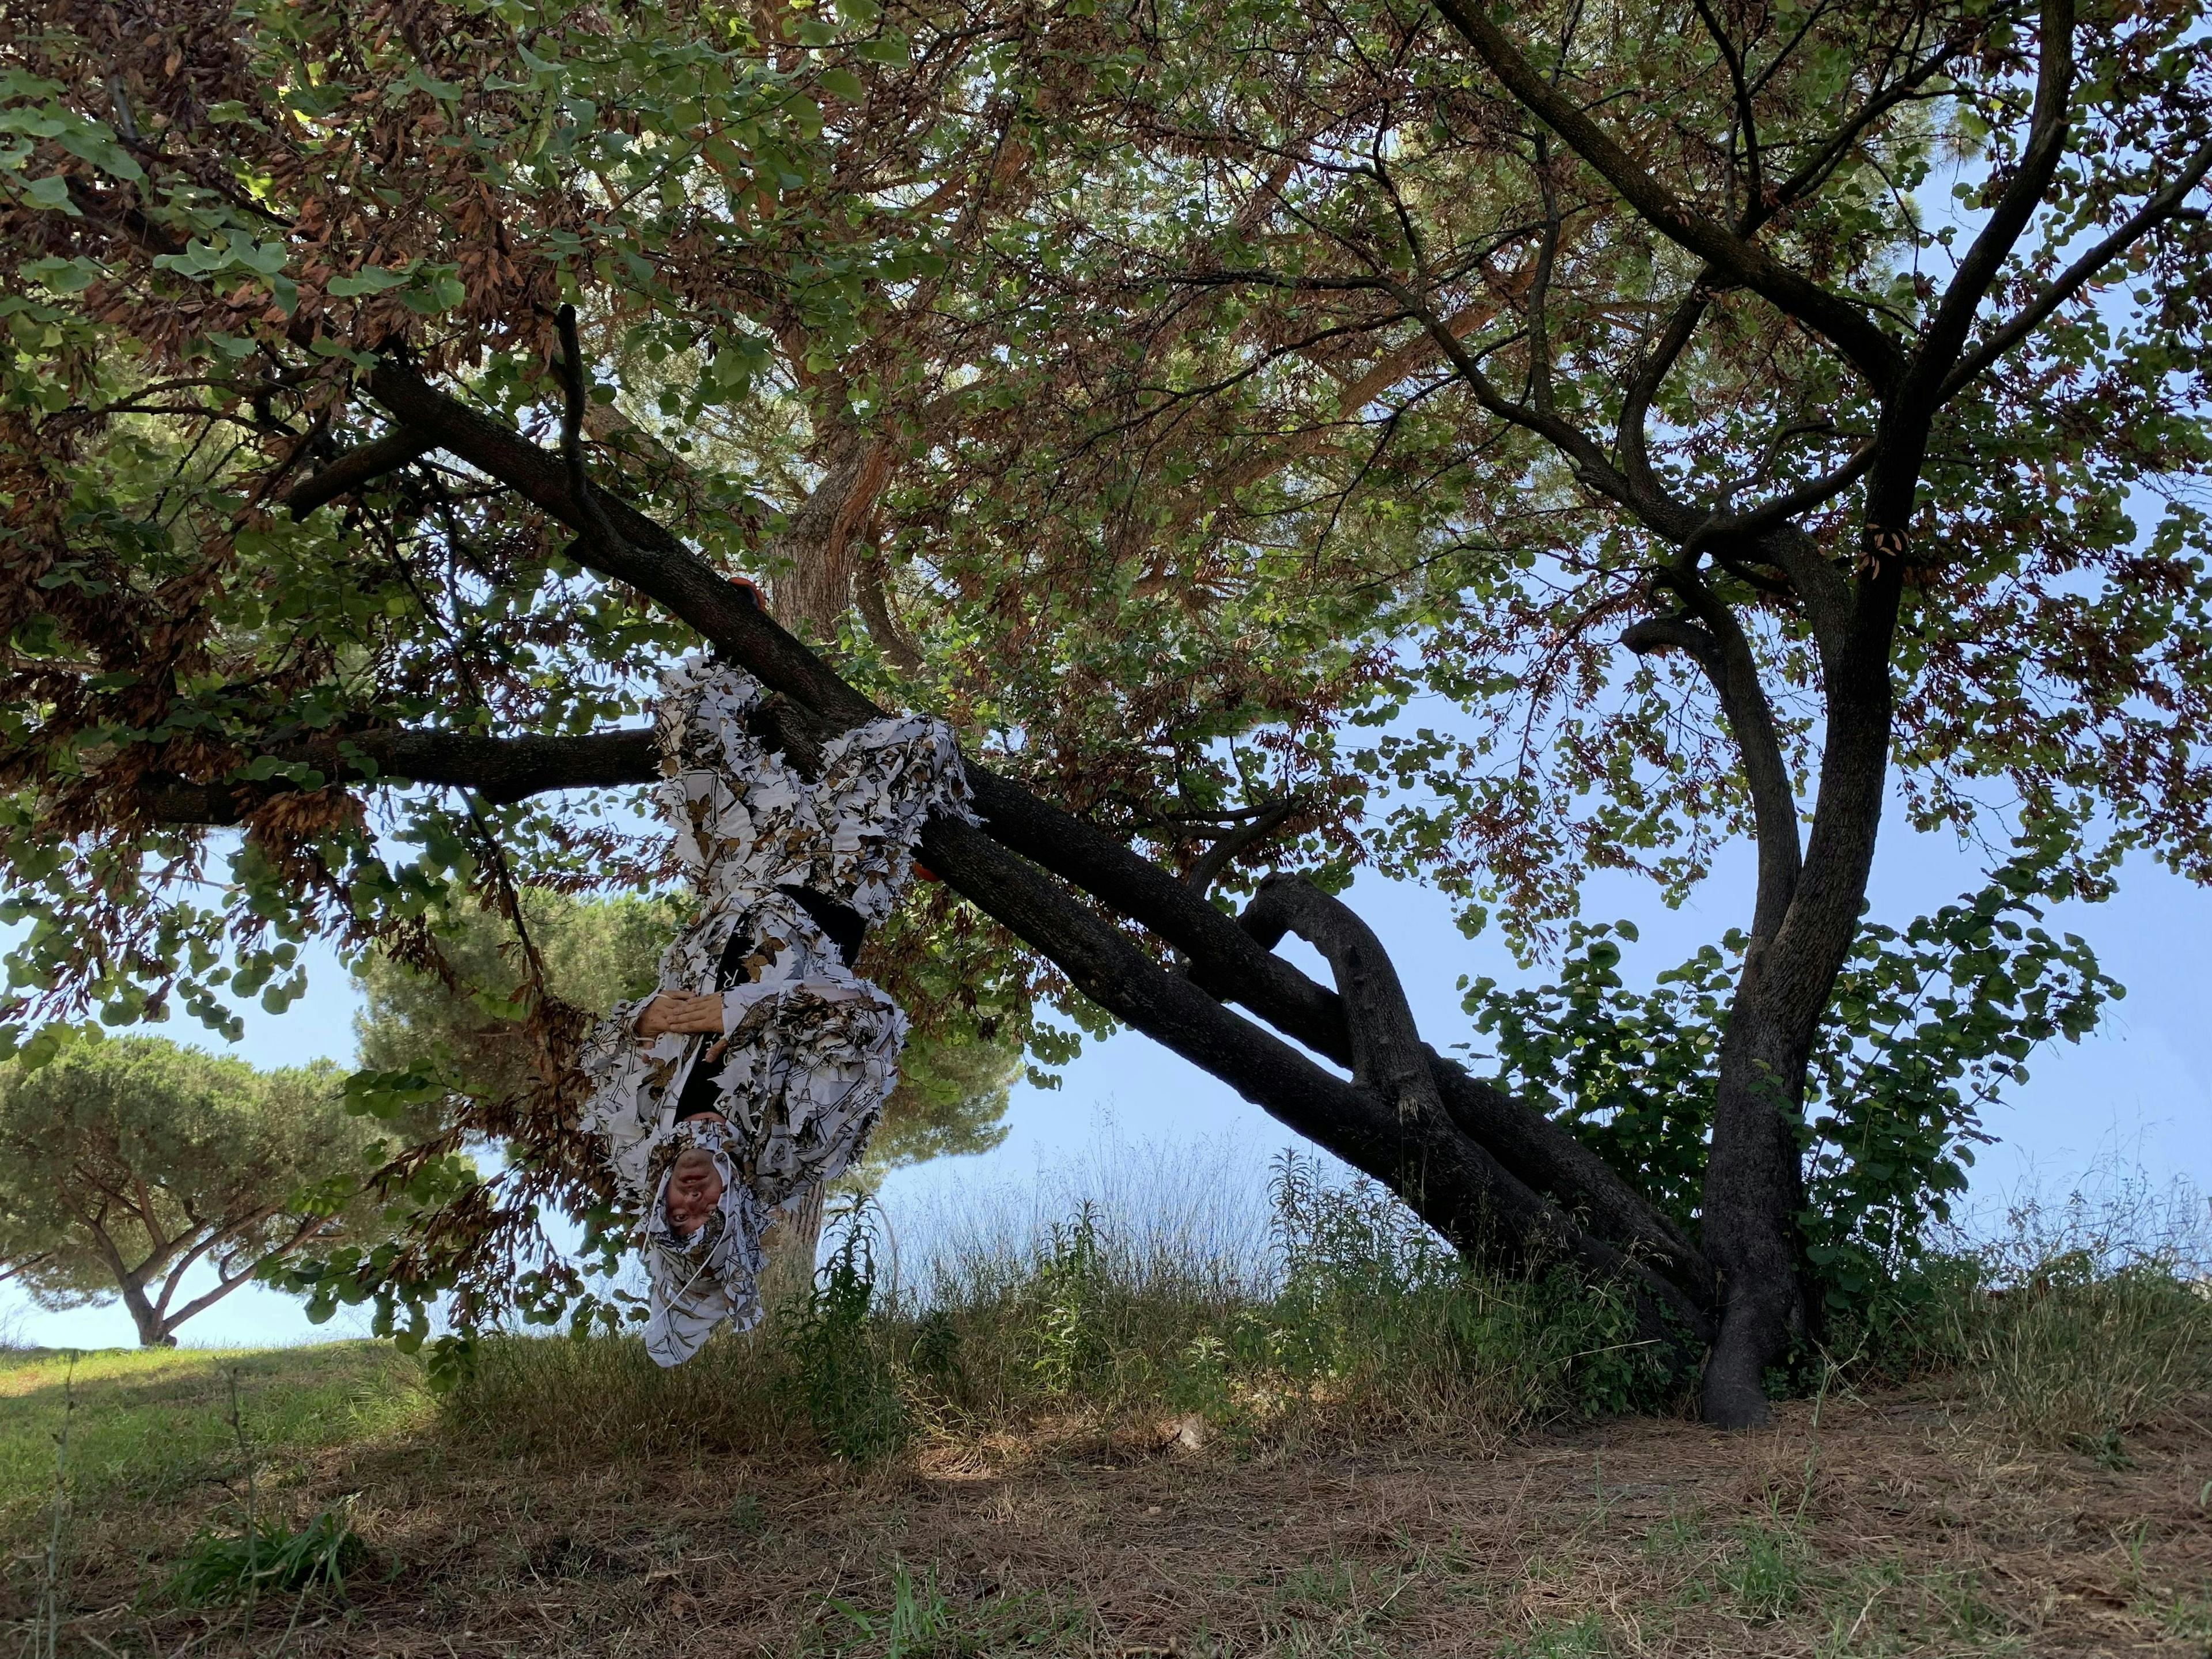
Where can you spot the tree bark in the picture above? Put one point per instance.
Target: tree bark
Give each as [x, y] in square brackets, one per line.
[793, 1245]
[811, 560]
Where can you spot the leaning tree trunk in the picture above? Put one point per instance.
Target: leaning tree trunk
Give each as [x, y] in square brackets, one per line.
[1506, 1183]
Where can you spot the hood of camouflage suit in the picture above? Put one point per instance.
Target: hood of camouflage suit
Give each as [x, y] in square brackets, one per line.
[712, 1275]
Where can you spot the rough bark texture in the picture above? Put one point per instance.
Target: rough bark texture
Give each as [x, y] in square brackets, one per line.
[812, 557]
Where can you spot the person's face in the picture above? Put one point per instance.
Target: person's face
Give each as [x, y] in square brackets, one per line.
[695, 1188]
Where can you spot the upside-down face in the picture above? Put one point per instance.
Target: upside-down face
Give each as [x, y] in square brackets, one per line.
[695, 1188]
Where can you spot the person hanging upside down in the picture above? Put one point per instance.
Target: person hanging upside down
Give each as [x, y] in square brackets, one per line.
[754, 1074]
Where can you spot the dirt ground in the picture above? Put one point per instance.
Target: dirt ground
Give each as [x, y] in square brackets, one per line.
[1882, 1526]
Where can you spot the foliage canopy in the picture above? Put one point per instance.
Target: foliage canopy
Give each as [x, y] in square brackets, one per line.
[1172, 398]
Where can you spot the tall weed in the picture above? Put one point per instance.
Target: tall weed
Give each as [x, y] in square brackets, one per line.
[838, 1368]
[1352, 1311]
[1071, 1287]
[2074, 1322]
[1333, 1310]
[600, 1397]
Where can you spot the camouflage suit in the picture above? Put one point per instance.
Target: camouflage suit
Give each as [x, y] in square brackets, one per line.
[811, 1049]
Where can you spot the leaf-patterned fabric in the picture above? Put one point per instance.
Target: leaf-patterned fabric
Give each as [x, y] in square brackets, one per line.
[810, 1051]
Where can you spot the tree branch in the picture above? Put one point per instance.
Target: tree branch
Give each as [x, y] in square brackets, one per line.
[1747, 119]
[1919, 392]
[1224, 961]
[1717, 643]
[1844, 324]
[200, 1304]
[500, 770]
[1206, 869]
[2154, 212]
[1389, 1059]
[356, 468]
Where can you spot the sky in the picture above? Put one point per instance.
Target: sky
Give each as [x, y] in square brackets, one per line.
[2134, 1095]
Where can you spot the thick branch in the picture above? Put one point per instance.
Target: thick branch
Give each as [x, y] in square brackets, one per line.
[1718, 645]
[1390, 1061]
[173, 1276]
[230, 1282]
[1946, 336]
[1386, 1044]
[1224, 961]
[642, 553]
[1227, 962]
[500, 770]
[2154, 212]
[1847, 325]
[356, 468]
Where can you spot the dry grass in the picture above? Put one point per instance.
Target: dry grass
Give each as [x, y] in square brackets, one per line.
[1889, 1524]
[1107, 1451]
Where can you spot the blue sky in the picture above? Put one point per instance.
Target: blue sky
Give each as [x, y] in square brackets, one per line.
[2136, 1093]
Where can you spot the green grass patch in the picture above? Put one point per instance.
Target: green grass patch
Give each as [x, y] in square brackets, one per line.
[1364, 1321]
[154, 1423]
[267, 1559]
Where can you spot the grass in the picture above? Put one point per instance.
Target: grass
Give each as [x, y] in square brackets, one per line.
[2078, 1359]
[154, 1423]
[2075, 1324]
[1362, 1323]
[266, 1557]
[1067, 1436]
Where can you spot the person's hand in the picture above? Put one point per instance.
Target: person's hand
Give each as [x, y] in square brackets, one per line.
[683, 1011]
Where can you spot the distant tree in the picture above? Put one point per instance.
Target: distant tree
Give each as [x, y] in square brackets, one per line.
[954, 1083]
[125, 1164]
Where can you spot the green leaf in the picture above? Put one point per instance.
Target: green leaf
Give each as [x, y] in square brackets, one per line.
[51, 192]
[369, 279]
[63, 275]
[890, 48]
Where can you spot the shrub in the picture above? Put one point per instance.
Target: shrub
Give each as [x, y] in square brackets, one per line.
[837, 1369]
[265, 1557]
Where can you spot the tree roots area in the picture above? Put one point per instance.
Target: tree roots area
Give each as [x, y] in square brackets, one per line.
[320, 1501]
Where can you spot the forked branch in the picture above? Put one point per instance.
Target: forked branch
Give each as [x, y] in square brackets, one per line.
[1499, 1217]
[1844, 323]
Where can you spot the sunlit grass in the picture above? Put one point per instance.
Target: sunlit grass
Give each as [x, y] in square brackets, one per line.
[151, 1424]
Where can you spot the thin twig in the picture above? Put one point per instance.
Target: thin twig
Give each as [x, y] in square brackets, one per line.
[50, 1610]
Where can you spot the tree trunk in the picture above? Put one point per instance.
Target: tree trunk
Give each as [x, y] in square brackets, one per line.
[154, 1332]
[1506, 1184]
[1755, 1188]
[791, 1246]
[811, 560]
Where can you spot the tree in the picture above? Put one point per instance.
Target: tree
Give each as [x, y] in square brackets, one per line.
[131, 1163]
[1861, 466]
[1244, 371]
